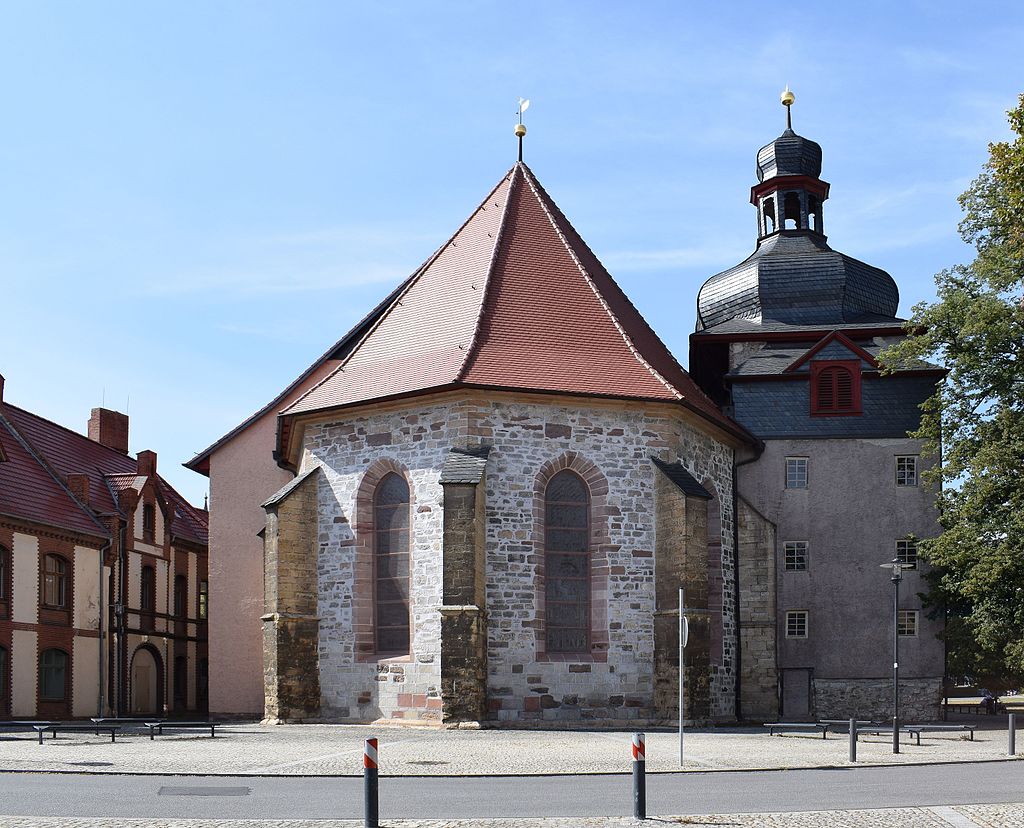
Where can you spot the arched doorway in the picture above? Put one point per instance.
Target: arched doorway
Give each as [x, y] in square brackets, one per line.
[147, 676]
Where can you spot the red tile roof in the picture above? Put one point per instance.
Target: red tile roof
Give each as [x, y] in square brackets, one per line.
[515, 300]
[50, 452]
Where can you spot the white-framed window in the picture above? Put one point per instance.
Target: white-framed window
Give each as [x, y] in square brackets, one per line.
[906, 553]
[906, 470]
[795, 556]
[796, 472]
[907, 623]
[796, 624]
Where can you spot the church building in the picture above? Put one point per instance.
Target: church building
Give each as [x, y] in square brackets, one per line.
[495, 485]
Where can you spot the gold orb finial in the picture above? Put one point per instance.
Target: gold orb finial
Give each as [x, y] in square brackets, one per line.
[520, 130]
[787, 97]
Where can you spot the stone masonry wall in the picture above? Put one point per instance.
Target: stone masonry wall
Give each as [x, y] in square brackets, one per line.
[759, 677]
[920, 699]
[618, 440]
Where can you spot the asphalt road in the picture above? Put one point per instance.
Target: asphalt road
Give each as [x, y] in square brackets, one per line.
[32, 794]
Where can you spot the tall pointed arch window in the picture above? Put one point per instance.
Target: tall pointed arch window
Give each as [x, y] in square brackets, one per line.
[567, 564]
[835, 388]
[391, 565]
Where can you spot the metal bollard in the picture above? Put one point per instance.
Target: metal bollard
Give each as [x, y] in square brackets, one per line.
[853, 740]
[370, 810]
[639, 777]
[1012, 735]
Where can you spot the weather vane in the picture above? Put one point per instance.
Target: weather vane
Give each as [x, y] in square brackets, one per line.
[520, 130]
[787, 99]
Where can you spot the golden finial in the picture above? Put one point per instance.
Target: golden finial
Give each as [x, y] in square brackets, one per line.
[520, 129]
[787, 98]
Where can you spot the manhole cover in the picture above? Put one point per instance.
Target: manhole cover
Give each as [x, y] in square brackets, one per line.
[427, 762]
[165, 791]
[91, 764]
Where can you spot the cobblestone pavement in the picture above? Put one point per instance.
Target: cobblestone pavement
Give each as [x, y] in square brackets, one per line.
[337, 750]
[964, 816]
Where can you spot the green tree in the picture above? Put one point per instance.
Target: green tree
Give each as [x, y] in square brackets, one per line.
[974, 423]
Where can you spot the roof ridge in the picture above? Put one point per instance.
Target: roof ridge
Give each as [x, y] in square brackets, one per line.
[460, 375]
[72, 432]
[31, 450]
[528, 174]
[405, 288]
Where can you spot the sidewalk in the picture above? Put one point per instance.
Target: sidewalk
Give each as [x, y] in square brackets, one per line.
[960, 816]
[333, 750]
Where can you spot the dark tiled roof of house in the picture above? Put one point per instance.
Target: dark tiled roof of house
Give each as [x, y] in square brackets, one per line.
[515, 300]
[56, 452]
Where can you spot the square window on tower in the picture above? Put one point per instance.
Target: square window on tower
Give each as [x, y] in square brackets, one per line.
[835, 388]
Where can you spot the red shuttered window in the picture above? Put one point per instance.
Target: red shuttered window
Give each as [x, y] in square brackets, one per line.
[835, 388]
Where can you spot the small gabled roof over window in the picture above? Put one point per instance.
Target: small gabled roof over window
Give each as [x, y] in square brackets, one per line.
[685, 481]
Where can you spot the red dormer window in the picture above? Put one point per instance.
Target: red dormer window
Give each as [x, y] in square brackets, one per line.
[835, 388]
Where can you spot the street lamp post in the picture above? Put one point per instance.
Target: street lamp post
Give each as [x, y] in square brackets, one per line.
[897, 576]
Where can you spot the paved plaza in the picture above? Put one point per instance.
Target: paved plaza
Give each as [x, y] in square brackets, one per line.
[961, 816]
[332, 750]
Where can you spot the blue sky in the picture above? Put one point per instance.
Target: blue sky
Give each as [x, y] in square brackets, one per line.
[197, 199]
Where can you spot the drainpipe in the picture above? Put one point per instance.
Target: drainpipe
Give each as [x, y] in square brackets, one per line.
[100, 698]
[120, 650]
[759, 450]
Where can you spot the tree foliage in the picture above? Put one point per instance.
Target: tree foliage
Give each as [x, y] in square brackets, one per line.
[974, 423]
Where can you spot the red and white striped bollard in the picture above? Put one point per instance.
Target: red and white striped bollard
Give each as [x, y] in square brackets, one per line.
[639, 776]
[370, 810]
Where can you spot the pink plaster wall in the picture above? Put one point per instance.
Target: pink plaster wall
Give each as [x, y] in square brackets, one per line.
[243, 474]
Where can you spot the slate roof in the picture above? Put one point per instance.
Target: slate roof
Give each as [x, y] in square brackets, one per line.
[465, 465]
[685, 481]
[794, 278]
[744, 327]
[515, 300]
[773, 360]
[289, 487]
[34, 487]
[789, 154]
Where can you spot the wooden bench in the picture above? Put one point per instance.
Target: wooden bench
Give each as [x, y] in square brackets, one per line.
[75, 728]
[122, 721]
[878, 730]
[157, 728]
[798, 726]
[918, 729]
[978, 708]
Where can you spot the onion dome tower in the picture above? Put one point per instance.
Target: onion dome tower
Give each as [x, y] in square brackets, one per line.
[794, 278]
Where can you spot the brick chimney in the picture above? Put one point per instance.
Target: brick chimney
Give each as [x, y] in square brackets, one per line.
[79, 485]
[109, 428]
[147, 463]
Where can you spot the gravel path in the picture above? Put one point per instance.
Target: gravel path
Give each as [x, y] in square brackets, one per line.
[337, 749]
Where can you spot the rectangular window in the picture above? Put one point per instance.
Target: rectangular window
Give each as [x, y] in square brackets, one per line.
[148, 523]
[906, 470]
[906, 553]
[204, 599]
[796, 472]
[835, 387]
[907, 623]
[796, 624]
[796, 556]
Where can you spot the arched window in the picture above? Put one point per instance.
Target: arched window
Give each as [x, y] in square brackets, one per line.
[180, 596]
[55, 582]
[53, 675]
[391, 565]
[567, 564]
[147, 600]
[768, 208]
[835, 388]
[791, 211]
[814, 214]
[148, 523]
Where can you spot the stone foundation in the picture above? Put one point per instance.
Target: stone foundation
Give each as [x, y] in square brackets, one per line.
[920, 699]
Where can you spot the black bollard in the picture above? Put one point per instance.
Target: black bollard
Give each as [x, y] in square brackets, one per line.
[370, 810]
[853, 740]
[1012, 735]
[639, 777]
